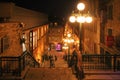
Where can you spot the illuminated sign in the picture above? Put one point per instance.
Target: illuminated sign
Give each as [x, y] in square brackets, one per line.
[59, 47]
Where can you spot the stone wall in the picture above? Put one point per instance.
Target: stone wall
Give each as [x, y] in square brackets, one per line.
[13, 31]
[114, 23]
[92, 37]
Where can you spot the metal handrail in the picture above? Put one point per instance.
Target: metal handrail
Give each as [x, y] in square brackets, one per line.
[15, 65]
[29, 54]
[111, 50]
[101, 62]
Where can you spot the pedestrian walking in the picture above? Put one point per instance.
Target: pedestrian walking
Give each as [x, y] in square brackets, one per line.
[43, 60]
[55, 58]
[80, 72]
[76, 63]
[52, 59]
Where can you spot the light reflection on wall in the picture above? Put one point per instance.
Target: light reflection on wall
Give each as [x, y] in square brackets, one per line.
[38, 52]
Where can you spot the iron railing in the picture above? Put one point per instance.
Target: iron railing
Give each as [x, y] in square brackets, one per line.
[30, 60]
[11, 65]
[101, 62]
[15, 65]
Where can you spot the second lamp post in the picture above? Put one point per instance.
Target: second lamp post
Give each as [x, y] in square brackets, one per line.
[80, 18]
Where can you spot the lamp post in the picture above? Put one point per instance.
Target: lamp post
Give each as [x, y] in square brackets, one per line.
[80, 18]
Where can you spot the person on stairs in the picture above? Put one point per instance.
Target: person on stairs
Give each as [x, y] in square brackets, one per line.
[76, 63]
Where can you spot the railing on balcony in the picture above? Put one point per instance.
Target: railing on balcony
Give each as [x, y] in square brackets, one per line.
[15, 65]
[101, 62]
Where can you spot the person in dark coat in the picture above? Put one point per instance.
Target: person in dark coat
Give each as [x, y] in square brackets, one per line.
[76, 63]
[52, 59]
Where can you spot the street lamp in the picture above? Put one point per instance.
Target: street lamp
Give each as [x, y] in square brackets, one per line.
[80, 18]
[81, 6]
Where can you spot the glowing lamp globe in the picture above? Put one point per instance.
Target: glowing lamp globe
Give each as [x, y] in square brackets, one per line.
[81, 6]
[88, 19]
[72, 19]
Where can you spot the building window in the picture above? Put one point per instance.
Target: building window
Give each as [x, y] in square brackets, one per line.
[34, 39]
[109, 32]
[31, 41]
[42, 32]
[38, 35]
[110, 12]
[4, 44]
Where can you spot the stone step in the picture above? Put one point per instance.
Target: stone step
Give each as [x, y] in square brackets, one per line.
[50, 74]
[58, 63]
[101, 72]
[101, 75]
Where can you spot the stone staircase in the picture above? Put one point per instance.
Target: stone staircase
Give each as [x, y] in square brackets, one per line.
[62, 72]
[50, 74]
[102, 75]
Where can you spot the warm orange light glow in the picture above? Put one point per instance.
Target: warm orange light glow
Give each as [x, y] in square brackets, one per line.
[88, 19]
[81, 19]
[65, 47]
[68, 35]
[81, 6]
[72, 19]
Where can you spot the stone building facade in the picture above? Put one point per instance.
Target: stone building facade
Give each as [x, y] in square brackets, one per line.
[105, 23]
[55, 36]
[92, 31]
[110, 22]
[10, 35]
[113, 21]
[16, 23]
[36, 40]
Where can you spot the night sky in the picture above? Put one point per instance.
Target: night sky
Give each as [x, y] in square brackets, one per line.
[58, 8]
